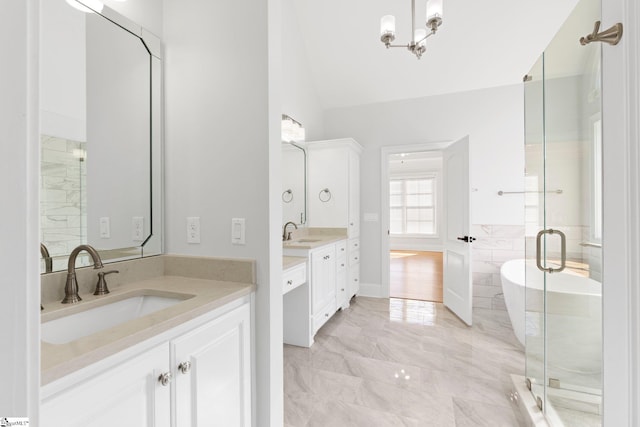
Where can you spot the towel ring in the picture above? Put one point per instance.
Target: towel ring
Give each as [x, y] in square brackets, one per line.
[326, 197]
[287, 196]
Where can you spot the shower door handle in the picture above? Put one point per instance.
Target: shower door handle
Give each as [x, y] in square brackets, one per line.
[563, 250]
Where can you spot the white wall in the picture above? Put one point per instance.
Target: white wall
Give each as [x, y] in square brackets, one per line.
[299, 96]
[493, 119]
[19, 171]
[222, 147]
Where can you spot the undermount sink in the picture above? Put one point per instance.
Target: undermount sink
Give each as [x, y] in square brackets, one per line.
[75, 326]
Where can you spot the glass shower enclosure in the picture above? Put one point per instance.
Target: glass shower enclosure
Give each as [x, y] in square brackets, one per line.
[563, 208]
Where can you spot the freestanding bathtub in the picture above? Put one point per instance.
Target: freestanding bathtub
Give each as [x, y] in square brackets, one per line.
[573, 315]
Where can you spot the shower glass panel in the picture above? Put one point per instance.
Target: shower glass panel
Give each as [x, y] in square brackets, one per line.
[564, 165]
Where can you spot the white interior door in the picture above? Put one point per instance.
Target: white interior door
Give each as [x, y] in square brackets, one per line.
[457, 287]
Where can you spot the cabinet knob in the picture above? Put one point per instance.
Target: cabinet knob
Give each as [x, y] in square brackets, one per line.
[326, 315]
[356, 258]
[356, 245]
[289, 282]
[342, 249]
[184, 367]
[341, 265]
[350, 223]
[165, 378]
[342, 290]
[355, 280]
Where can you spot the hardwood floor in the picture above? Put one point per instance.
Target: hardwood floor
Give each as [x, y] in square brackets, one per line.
[416, 275]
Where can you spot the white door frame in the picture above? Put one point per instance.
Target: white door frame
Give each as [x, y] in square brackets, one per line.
[385, 246]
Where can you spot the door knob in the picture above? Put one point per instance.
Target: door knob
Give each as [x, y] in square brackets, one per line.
[467, 239]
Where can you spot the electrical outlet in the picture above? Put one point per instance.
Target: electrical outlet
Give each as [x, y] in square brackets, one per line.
[193, 229]
[137, 231]
[105, 227]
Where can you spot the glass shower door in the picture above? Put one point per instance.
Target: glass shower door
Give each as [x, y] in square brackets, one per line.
[564, 224]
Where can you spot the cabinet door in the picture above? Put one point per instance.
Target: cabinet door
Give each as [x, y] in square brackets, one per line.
[216, 388]
[323, 277]
[127, 395]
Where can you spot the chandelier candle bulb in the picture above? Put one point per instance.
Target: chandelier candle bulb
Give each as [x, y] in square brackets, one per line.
[387, 29]
[434, 13]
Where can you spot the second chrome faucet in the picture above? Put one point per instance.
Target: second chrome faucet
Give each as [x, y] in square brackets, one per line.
[71, 288]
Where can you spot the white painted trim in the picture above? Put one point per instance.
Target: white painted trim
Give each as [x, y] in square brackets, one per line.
[621, 187]
[386, 151]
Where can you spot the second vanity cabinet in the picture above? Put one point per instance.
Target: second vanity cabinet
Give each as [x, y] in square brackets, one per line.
[198, 373]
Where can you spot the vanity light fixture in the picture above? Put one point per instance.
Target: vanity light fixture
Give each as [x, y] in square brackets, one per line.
[418, 45]
[291, 130]
[87, 6]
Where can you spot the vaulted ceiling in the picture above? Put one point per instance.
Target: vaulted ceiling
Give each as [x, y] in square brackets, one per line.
[481, 44]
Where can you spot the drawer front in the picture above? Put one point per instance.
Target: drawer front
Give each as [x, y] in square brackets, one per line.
[354, 280]
[354, 245]
[354, 258]
[324, 315]
[341, 248]
[342, 289]
[294, 277]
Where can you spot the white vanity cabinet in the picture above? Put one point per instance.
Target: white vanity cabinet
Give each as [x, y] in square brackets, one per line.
[205, 365]
[125, 394]
[334, 200]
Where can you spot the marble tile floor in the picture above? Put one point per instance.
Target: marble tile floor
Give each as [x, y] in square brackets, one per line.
[396, 362]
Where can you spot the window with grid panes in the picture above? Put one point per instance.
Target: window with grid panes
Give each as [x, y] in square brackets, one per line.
[413, 205]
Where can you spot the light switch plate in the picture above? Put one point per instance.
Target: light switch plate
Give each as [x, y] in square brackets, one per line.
[238, 231]
[193, 229]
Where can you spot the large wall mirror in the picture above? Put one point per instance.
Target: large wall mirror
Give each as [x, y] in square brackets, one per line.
[100, 134]
[294, 183]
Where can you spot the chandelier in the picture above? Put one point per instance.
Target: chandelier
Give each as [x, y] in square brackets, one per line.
[418, 45]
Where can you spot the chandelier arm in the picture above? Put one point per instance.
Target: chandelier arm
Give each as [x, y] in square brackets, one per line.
[426, 37]
[399, 45]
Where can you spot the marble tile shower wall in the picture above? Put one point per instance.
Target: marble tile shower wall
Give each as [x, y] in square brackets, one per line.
[63, 202]
[495, 245]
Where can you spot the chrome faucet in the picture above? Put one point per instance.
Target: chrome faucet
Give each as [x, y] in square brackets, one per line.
[48, 262]
[285, 235]
[71, 288]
